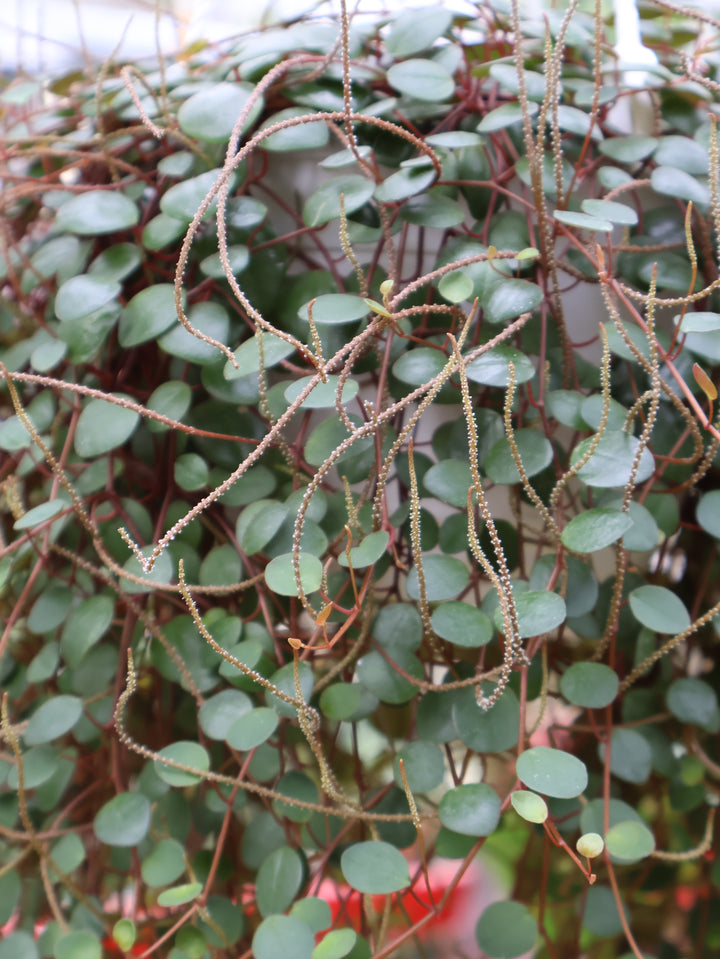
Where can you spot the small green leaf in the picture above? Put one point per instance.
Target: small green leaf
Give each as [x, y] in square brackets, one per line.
[78, 944]
[486, 731]
[280, 574]
[509, 298]
[456, 287]
[659, 609]
[123, 820]
[189, 754]
[247, 355]
[590, 845]
[583, 221]
[323, 395]
[529, 805]
[308, 135]
[367, 552]
[445, 578]
[692, 701]
[124, 934]
[414, 31]
[179, 895]
[492, 368]
[218, 713]
[505, 930]
[594, 529]
[252, 728]
[313, 911]
[279, 880]
[336, 944]
[82, 295]
[335, 309]
[462, 624]
[629, 842]
[609, 210]
[97, 212]
[424, 766]
[535, 452]
[212, 113]
[421, 80]
[505, 116]
[592, 685]
[375, 867]
[324, 204]
[538, 611]
[676, 183]
[103, 426]
[449, 480]
[281, 937]
[53, 719]
[40, 514]
[164, 863]
[630, 756]
[708, 513]
[552, 772]
[611, 463]
[472, 809]
[148, 314]
[628, 149]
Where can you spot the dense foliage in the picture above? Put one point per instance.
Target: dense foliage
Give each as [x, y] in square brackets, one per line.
[343, 547]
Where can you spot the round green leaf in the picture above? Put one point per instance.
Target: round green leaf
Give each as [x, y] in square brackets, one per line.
[505, 930]
[78, 944]
[594, 529]
[40, 514]
[335, 309]
[103, 426]
[308, 135]
[18, 945]
[172, 398]
[445, 577]
[434, 210]
[659, 609]
[228, 921]
[472, 809]
[161, 231]
[182, 200]
[552, 772]
[462, 624]
[284, 679]
[421, 80]
[486, 731]
[424, 766]
[628, 149]
[609, 210]
[124, 820]
[529, 805]
[189, 754]
[347, 701]
[218, 713]
[590, 845]
[238, 257]
[692, 701]
[211, 114]
[375, 867]
[53, 719]
[40, 764]
[419, 365]
[583, 221]
[449, 481]
[324, 204]
[398, 625]
[314, 912]
[252, 728]
[296, 786]
[535, 451]
[509, 298]
[492, 368]
[505, 116]
[97, 212]
[115, 263]
[630, 756]
[148, 314]
[164, 863]
[280, 574]
[382, 679]
[247, 355]
[676, 183]
[592, 685]
[162, 572]
[179, 895]
[191, 472]
[208, 318]
[629, 842]
[538, 611]
[82, 295]
[258, 523]
[456, 286]
[611, 463]
[323, 396]
[368, 552]
[279, 937]
[416, 30]
[279, 880]
[700, 322]
[124, 934]
[336, 944]
[601, 916]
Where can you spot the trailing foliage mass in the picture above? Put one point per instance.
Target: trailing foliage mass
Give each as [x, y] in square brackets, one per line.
[359, 467]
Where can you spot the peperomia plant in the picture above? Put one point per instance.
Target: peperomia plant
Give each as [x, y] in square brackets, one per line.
[359, 472]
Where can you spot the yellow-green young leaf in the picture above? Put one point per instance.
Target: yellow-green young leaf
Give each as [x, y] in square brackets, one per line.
[590, 845]
[124, 933]
[704, 382]
[529, 805]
